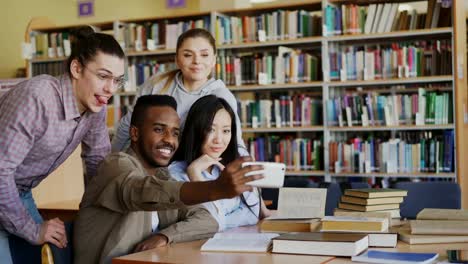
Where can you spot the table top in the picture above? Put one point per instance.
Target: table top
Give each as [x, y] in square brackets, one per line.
[189, 252]
[62, 205]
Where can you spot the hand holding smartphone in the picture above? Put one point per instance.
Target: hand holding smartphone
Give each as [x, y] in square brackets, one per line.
[273, 173]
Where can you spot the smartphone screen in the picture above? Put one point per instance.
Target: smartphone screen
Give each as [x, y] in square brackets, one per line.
[457, 256]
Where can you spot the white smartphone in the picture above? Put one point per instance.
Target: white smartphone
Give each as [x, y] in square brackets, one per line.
[273, 173]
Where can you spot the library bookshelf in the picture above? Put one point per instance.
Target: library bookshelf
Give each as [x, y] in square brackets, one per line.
[330, 74]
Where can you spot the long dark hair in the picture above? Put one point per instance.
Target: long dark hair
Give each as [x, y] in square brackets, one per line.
[198, 124]
[85, 44]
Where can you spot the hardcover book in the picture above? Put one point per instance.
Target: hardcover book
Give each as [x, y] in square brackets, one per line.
[375, 256]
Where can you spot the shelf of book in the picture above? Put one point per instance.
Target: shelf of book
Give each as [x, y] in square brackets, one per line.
[283, 129]
[150, 52]
[43, 59]
[420, 33]
[396, 175]
[99, 26]
[392, 81]
[390, 128]
[399, 89]
[248, 45]
[288, 42]
[305, 173]
[284, 86]
[162, 17]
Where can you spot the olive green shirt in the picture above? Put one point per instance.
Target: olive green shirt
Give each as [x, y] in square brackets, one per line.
[115, 212]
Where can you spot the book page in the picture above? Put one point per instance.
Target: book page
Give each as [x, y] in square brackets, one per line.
[242, 242]
[297, 203]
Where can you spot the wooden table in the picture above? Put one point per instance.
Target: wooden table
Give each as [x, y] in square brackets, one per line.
[65, 210]
[190, 253]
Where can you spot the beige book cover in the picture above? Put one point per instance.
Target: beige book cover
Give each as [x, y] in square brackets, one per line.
[439, 227]
[442, 214]
[371, 201]
[354, 224]
[375, 193]
[393, 213]
[406, 236]
[321, 243]
[366, 208]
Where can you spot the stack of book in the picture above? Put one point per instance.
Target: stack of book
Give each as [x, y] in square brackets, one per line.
[373, 200]
[376, 227]
[437, 226]
[319, 243]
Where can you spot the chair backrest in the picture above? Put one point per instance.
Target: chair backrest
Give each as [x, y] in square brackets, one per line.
[360, 185]
[333, 197]
[428, 195]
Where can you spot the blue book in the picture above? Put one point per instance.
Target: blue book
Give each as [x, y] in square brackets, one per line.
[375, 256]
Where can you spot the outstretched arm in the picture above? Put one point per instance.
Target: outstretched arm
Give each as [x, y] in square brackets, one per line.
[193, 223]
[137, 191]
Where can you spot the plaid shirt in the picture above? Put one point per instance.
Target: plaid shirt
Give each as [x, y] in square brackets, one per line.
[40, 127]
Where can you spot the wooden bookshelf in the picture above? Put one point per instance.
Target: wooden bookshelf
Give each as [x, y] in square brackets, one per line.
[305, 173]
[396, 175]
[289, 42]
[151, 52]
[287, 86]
[416, 33]
[386, 90]
[41, 59]
[392, 81]
[283, 129]
[461, 95]
[391, 128]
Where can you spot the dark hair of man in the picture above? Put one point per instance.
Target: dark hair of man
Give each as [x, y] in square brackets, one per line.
[198, 125]
[146, 101]
[85, 44]
[196, 33]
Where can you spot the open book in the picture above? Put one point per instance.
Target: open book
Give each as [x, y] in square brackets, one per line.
[242, 242]
[300, 203]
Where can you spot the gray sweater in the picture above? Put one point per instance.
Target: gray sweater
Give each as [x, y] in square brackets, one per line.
[184, 99]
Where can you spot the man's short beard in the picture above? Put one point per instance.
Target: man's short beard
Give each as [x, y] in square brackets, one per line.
[146, 156]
